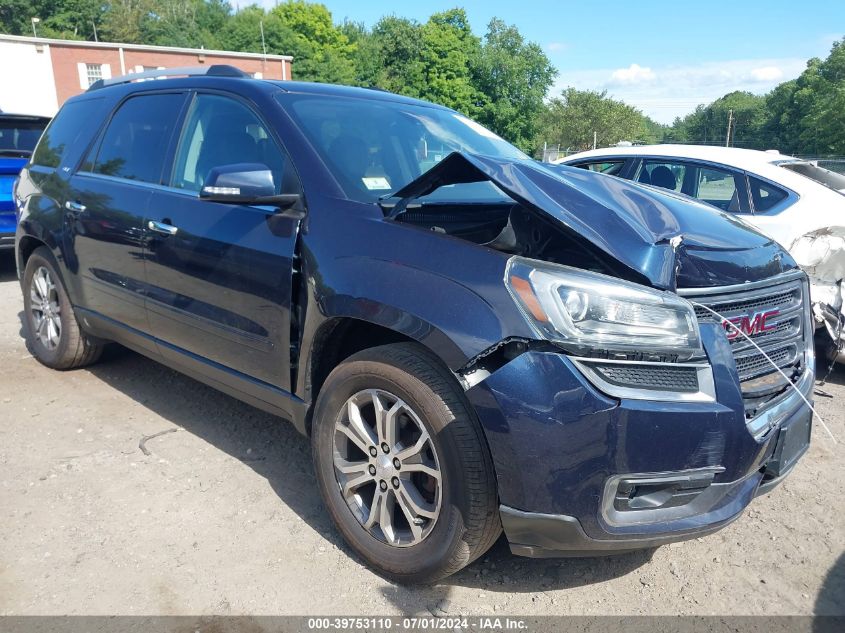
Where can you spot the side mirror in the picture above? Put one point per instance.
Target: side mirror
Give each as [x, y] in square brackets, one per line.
[245, 183]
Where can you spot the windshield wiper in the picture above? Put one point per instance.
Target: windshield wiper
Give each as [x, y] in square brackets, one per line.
[394, 207]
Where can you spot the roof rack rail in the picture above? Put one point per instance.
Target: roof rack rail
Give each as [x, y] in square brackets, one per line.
[215, 70]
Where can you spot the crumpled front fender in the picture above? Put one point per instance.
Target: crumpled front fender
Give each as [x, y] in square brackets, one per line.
[821, 253]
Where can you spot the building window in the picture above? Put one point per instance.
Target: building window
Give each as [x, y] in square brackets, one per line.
[91, 73]
[94, 73]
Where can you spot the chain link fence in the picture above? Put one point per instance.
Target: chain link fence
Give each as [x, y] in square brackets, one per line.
[833, 163]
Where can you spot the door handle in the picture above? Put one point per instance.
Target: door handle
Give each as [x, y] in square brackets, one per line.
[76, 207]
[161, 227]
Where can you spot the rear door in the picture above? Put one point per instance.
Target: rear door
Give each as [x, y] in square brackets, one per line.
[107, 202]
[220, 274]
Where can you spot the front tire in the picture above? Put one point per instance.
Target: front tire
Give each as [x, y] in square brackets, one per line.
[52, 332]
[402, 464]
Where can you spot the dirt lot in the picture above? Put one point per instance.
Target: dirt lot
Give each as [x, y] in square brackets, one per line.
[223, 517]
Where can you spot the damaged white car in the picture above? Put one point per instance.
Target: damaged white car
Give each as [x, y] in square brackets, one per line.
[796, 202]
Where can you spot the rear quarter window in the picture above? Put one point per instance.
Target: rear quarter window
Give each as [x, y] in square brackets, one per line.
[765, 195]
[74, 123]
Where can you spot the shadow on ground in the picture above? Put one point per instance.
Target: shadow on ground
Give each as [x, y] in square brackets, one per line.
[7, 266]
[834, 375]
[282, 456]
[831, 598]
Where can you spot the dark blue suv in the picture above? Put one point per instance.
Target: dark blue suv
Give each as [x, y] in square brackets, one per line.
[474, 341]
[18, 135]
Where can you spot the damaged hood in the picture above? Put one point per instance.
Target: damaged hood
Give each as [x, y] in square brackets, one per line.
[670, 239]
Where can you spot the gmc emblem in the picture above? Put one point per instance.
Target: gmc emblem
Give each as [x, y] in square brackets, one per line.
[749, 325]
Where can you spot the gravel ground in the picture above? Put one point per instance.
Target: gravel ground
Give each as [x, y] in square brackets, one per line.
[223, 516]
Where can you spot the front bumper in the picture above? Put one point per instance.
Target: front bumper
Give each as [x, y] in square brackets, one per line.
[537, 535]
[566, 456]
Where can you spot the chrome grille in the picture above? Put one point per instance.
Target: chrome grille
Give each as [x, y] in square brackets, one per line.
[784, 340]
[755, 364]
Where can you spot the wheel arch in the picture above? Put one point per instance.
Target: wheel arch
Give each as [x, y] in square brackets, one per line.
[26, 247]
[333, 342]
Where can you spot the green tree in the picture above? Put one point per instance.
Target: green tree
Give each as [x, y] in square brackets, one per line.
[654, 132]
[399, 45]
[449, 51]
[123, 21]
[800, 116]
[514, 76]
[321, 49]
[66, 19]
[709, 124]
[819, 100]
[779, 129]
[367, 56]
[189, 23]
[571, 119]
[242, 32]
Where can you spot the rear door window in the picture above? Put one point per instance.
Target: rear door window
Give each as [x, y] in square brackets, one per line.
[721, 188]
[134, 145]
[660, 173]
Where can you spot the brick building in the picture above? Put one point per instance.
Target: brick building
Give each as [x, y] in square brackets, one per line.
[37, 75]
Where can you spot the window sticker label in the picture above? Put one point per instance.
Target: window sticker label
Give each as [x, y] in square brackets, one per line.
[376, 183]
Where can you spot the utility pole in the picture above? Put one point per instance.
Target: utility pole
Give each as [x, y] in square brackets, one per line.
[728, 135]
[595, 138]
[263, 45]
[94, 24]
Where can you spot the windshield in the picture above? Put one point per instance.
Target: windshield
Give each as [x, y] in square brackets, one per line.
[819, 174]
[18, 137]
[375, 147]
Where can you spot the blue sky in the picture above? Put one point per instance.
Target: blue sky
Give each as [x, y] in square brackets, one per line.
[663, 57]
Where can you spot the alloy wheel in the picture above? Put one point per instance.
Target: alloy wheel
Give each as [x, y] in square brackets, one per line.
[45, 308]
[387, 468]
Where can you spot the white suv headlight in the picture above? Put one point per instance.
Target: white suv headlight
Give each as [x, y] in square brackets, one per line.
[589, 312]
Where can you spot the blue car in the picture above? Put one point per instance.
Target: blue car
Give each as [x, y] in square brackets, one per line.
[475, 342]
[18, 136]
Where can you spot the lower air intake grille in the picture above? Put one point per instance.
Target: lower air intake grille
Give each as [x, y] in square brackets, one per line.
[681, 379]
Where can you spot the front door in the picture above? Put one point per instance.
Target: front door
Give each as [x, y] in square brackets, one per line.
[220, 274]
[106, 203]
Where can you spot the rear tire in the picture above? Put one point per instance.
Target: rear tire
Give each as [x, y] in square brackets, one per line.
[52, 332]
[442, 506]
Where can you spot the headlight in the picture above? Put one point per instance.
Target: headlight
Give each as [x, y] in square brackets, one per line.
[589, 312]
